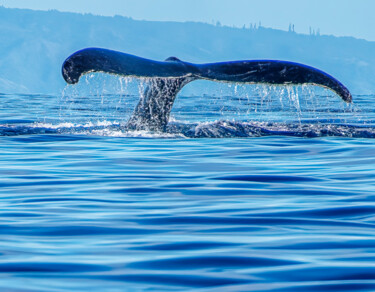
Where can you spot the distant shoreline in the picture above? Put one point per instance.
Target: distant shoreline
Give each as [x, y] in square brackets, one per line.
[35, 43]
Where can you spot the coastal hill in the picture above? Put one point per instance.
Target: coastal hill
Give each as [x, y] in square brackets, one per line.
[34, 44]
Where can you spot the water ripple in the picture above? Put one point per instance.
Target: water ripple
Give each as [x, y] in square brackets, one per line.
[87, 205]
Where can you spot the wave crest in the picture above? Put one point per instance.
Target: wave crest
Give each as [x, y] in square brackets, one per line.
[216, 129]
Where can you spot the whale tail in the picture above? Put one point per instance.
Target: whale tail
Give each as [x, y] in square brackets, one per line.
[168, 78]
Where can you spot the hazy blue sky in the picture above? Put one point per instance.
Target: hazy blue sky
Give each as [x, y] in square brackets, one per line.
[337, 17]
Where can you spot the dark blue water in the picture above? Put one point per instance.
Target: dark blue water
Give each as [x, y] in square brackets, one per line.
[251, 189]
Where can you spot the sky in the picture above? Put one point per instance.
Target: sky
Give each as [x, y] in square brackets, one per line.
[332, 17]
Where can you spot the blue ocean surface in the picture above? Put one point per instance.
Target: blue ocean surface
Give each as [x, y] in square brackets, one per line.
[252, 188]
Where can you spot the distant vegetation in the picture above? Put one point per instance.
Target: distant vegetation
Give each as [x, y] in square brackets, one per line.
[34, 44]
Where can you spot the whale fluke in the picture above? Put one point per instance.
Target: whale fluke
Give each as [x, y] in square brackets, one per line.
[152, 112]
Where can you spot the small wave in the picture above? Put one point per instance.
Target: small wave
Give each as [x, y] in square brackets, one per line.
[100, 128]
[216, 129]
[233, 129]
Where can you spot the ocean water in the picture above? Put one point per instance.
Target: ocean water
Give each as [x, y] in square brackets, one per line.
[250, 189]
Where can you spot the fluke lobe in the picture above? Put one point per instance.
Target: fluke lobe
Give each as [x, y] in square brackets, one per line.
[169, 76]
